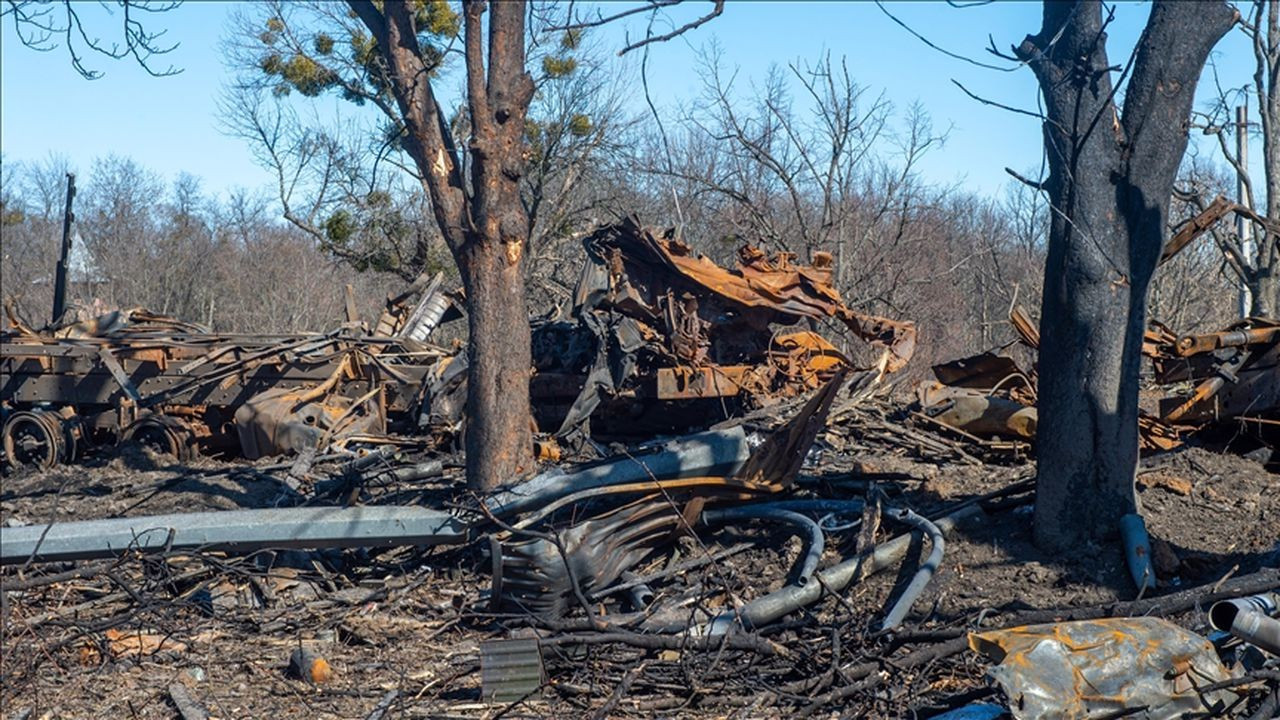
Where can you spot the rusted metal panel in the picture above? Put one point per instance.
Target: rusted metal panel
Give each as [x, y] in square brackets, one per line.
[683, 383]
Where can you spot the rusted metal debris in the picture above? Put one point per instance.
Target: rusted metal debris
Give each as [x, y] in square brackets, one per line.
[662, 333]
[664, 340]
[1230, 377]
[1235, 372]
[179, 387]
[568, 546]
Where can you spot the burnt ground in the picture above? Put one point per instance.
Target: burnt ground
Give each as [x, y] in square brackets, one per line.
[112, 643]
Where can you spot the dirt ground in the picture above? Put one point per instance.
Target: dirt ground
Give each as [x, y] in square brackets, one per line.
[410, 621]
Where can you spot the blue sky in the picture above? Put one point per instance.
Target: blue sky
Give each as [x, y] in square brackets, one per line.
[168, 124]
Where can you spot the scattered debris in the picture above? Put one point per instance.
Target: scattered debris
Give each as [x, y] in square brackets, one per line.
[725, 487]
[178, 388]
[1093, 667]
[306, 664]
[990, 397]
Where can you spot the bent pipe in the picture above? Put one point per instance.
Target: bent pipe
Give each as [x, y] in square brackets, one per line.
[710, 453]
[923, 575]
[767, 511]
[768, 608]
[1257, 629]
[1137, 551]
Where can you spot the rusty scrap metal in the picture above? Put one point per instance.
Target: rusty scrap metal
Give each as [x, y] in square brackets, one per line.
[1092, 668]
[1206, 219]
[135, 375]
[1236, 374]
[658, 323]
[1236, 371]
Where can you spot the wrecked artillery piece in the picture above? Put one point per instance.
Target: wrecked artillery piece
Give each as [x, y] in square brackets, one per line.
[131, 375]
[664, 339]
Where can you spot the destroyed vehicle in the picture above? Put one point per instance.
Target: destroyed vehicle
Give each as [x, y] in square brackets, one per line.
[131, 375]
[666, 340]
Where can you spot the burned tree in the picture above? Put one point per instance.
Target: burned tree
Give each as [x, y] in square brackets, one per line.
[470, 161]
[479, 211]
[1111, 175]
[1255, 263]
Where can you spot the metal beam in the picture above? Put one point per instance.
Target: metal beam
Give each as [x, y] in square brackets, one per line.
[235, 530]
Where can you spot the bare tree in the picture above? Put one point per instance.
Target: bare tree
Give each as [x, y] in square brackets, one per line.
[41, 25]
[1258, 268]
[1111, 174]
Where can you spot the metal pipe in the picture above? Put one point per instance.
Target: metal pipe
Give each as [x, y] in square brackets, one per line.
[715, 452]
[1223, 613]
[641, 594]
[923, 575]
[1137, 551]
[767, 511]
[1257, 629]
[767, 608]
[235, 530]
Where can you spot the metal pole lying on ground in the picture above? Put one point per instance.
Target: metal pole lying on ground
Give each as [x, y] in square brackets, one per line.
[236, 530]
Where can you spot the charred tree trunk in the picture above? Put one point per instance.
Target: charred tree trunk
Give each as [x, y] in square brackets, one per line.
[498, 437]
[479, 211]
[1111, 176]
[1266, 292]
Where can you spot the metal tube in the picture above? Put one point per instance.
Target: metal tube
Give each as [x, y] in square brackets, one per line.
[1223, 613]
[711, 453]
[235, 530]
[641, 594]
[767, 608]
[1137, 551]
[923, 575]
[1257, 629]
[766, 511]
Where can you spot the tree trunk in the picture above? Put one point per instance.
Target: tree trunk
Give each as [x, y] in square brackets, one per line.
[499, 443]
[487, 229]
[1266, 286]
[1109, 185]
[1266, 293]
